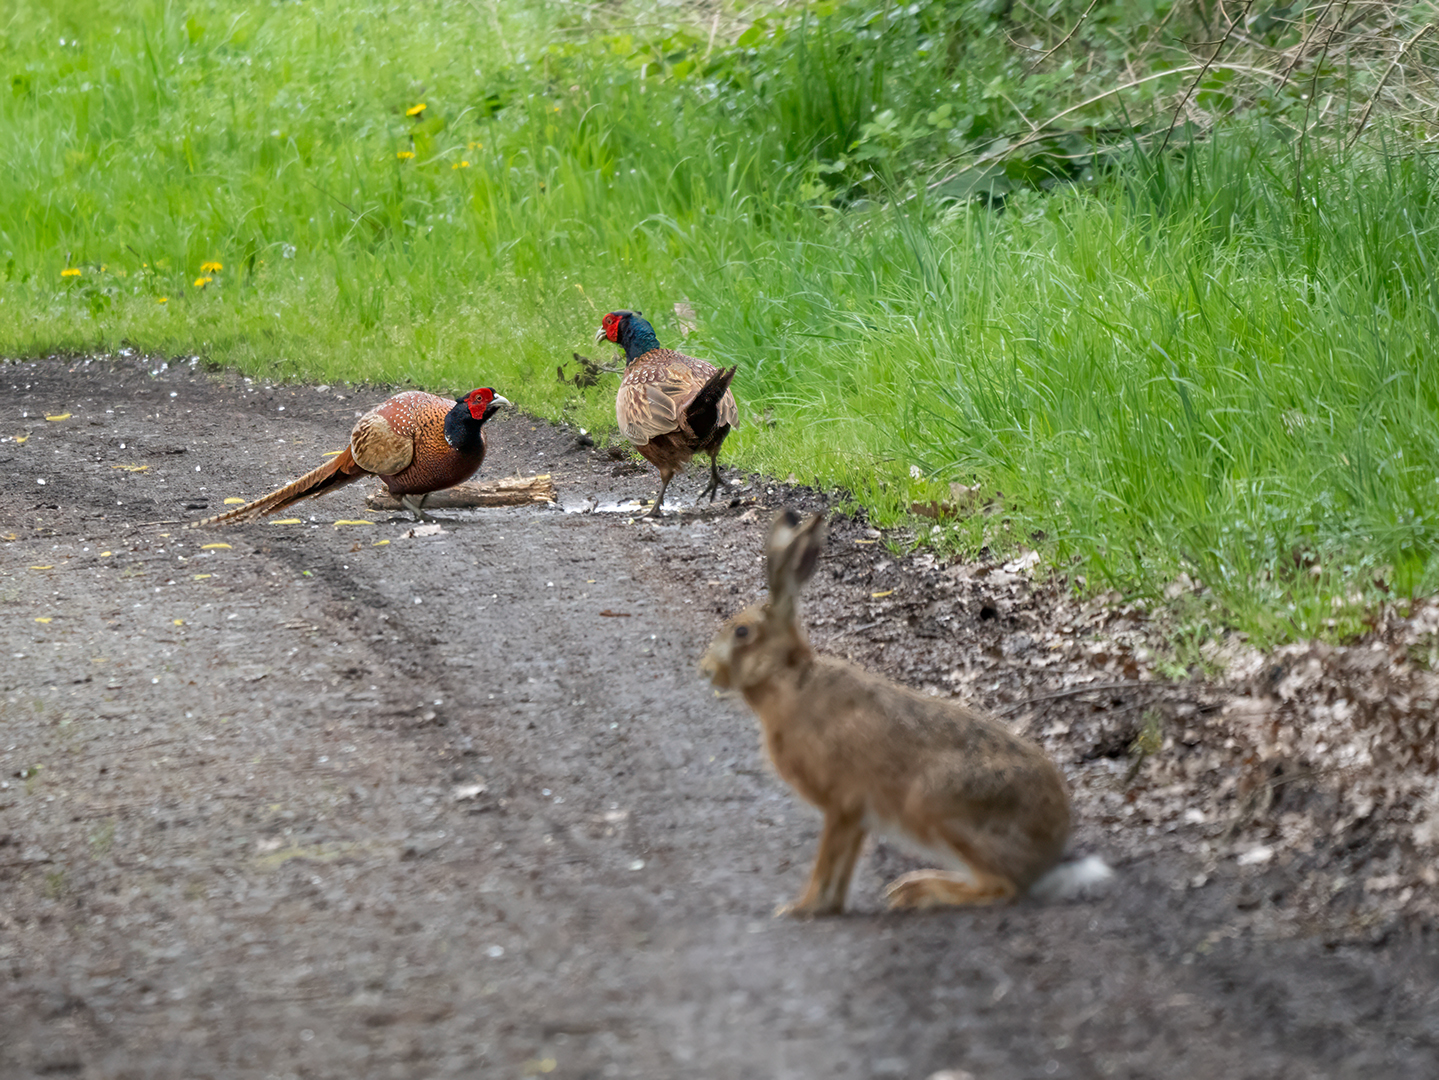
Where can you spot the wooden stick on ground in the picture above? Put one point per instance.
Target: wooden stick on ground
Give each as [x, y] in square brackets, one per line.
[507, 491]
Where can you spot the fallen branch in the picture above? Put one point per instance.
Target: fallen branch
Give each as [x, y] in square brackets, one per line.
[507, 491]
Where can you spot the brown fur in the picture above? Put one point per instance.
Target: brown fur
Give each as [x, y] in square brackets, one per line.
[871, 753]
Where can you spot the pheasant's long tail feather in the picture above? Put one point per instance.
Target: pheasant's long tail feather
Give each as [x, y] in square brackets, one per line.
[703, 411]
[337, 472]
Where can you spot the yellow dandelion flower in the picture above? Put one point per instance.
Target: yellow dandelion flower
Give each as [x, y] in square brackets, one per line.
[70, 271]
[476, 146]
[201, 282]
[163, 300]
[415, 110]
[404, 155]
[211, 267]
[460, 165]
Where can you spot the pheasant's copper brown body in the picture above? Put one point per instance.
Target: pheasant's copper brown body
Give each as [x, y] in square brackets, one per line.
[415, 442]
[671, 406]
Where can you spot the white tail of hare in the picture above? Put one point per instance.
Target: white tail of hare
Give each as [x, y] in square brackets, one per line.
[986, 805]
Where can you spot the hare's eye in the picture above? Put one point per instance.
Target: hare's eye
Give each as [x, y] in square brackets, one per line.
[741, 631]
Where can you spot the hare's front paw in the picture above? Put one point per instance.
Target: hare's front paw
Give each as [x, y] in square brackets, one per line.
[803, 908]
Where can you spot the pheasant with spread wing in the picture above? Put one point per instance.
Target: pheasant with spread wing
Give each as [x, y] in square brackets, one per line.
[671, 406]
[415, 442]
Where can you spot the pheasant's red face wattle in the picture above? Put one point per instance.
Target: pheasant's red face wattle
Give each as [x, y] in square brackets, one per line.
[479, 400]
[611, 324]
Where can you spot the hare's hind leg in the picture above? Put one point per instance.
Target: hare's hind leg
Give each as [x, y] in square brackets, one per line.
[839, 847]
[935, 888]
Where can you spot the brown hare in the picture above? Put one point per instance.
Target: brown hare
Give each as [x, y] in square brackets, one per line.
[986, 805]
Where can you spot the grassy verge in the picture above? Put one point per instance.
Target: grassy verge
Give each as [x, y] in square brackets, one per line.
[1206, 362]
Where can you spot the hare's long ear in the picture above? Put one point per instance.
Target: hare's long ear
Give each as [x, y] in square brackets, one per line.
[793, 552]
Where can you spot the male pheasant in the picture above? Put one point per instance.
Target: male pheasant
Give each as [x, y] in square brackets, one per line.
[671, 406]
[415, 442]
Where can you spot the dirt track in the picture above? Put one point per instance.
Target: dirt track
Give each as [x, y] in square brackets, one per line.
[339, 802]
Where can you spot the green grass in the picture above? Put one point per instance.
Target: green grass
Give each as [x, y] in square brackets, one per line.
[1177, 366]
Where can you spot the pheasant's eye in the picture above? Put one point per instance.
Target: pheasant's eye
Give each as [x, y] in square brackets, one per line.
[741, 631]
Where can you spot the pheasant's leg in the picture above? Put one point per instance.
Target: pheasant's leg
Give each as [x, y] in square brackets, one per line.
[665, 478]
[715, 480]
[839, 847]
[415, 506]
[933, 888]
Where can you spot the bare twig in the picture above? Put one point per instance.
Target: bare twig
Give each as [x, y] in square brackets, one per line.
[714, 28]
[589, 372]
[1309, 101]
[1154, 33]
[1303, 47]
[1257, 801]
[1033, 127]
[1369, 105]
[1073, 30]
[1039, 133]
[353, 212]
[1075, 691]
[1178, 109]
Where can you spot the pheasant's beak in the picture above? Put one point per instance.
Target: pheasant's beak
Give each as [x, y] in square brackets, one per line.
[497, 400]
[601, 336]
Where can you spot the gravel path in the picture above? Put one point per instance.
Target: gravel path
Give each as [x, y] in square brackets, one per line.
[343, 801]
